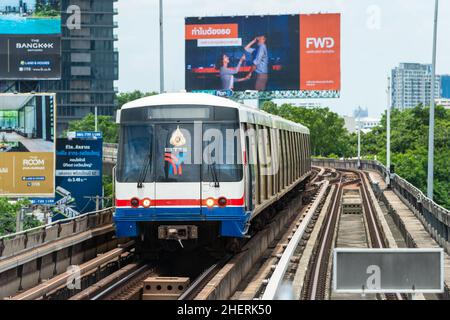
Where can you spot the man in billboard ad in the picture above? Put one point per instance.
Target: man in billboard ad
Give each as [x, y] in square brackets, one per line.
[242, 53]
[263, 53]
[27, 145]
[30, 39]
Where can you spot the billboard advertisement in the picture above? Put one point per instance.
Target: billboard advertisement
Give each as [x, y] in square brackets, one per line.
[78, 174]
[30, 39]
[27, 145]
[263, 53]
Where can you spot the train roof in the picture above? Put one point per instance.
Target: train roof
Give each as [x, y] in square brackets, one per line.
[246, 113]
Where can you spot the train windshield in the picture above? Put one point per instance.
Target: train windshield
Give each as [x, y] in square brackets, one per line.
[181, 151]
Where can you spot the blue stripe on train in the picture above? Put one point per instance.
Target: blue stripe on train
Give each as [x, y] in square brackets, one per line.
[233, 219]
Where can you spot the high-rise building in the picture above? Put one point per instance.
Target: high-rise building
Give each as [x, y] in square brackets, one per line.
[411, 85]
[445, 86]
[89, 64]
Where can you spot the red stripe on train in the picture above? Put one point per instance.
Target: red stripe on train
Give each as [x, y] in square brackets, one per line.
[179, 202]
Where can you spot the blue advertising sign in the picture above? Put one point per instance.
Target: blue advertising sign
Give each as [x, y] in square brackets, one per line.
[42, 201]
[78, 175]
[85, 135]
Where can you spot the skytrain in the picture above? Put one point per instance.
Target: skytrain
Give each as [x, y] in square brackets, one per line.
[196, 169]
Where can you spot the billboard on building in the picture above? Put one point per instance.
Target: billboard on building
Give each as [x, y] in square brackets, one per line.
[79, 176]
[27, 145]
[30, 39]
[263, 53]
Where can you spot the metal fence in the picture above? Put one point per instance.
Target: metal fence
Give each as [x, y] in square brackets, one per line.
[13, 244]
[434, 217]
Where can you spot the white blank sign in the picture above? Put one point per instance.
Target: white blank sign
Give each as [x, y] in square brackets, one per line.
[388, 270]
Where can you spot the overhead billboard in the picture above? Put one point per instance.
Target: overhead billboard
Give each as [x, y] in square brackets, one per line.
[294, 53]
[78, 174]
[30, 39]
[27, 145]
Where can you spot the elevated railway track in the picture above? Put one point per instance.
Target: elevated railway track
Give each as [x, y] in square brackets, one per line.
[37, 264]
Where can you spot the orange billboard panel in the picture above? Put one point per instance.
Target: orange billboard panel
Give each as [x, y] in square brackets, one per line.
[320, 52]
[211, 31]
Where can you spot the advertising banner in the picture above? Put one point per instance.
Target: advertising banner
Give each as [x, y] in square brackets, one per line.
[78, 174]
[320, 52]
[263, 53]
[27, 146]
[30, 39]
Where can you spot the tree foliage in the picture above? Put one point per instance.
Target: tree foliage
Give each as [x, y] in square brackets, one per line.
[409, 148]
[8, 216]
[106, 125]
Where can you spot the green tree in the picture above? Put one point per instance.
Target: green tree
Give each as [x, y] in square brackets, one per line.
[409, 148]
[106, 125]
[8, 216]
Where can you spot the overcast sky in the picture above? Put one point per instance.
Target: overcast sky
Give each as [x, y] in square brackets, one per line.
[376, 36]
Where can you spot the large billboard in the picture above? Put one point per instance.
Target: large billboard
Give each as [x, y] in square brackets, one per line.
[27, 145]
[30, 39]
[78, 174]
[263, 53]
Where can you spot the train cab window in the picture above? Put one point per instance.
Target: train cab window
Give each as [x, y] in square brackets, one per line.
[222, 159]
[137, 145]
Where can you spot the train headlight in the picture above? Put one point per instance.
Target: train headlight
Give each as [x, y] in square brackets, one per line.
[222, 202]
[210, 203]
[135, 203]
[146, 203]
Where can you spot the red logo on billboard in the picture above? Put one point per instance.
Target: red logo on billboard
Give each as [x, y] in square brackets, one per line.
[211, 31]
[320, 52]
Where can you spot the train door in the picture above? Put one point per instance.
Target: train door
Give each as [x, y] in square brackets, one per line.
[177, 170]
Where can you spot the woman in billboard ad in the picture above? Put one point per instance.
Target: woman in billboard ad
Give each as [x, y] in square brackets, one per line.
[227, 74]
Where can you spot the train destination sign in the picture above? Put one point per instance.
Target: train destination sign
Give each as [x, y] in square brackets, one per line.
[388, 270]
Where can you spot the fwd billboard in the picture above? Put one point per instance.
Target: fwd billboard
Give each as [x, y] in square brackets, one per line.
[30, 39]
[27, 145]
[263, 53]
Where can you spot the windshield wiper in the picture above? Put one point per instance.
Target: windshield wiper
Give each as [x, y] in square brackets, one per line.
[144, 171]
[214, 175]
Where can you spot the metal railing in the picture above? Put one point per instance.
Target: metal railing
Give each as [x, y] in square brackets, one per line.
[13, 244]
[435, 218]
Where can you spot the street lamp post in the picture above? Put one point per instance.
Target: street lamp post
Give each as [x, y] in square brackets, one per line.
[359, 137]
[388, 133]
[161, 47]
[431, 127]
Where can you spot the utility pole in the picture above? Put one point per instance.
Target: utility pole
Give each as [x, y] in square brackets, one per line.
[388, 133]
[161, 47]
[96, 118]
[431, 128]
[19, 220]
[359, 137]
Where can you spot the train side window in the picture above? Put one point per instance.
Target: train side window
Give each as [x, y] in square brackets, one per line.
[285, 160]
[288, 153]
[297, 156]
[263, 160]
[252, 155]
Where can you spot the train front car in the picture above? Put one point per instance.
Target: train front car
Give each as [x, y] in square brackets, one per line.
[179, 176]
